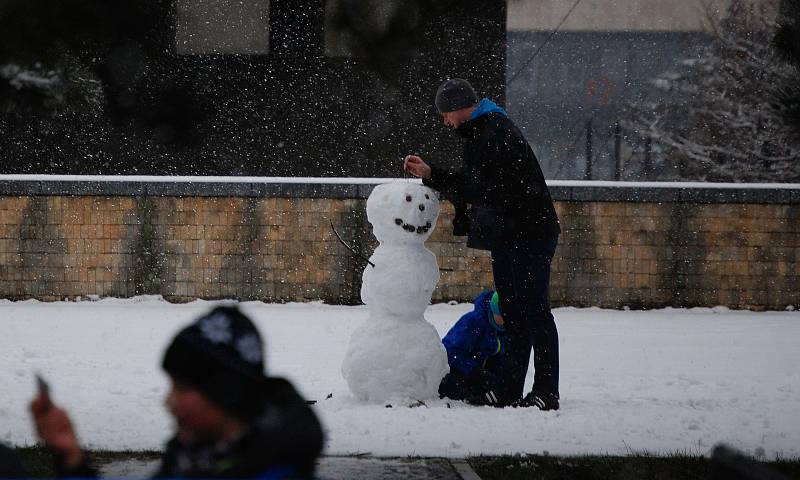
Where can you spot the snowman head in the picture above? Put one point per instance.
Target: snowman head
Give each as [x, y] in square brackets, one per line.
[402, 212]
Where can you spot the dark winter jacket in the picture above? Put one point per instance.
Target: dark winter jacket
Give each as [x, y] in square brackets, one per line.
[283, 442]
[500, 193]
[475, 345]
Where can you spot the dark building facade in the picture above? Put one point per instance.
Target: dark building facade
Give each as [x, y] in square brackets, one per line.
[279, 88]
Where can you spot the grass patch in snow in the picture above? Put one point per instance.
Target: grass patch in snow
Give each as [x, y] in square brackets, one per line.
[679, 466]
[38, 463]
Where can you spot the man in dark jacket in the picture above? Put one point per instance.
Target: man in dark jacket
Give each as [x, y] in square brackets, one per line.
[476, 350]
[503, 205]
[232, 421]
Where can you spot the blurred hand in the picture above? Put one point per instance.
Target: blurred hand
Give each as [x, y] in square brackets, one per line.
[416, 166]
[55, 430]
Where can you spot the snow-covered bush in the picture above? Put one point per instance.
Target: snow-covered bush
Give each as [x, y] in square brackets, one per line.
[726, 116]
[61, 88]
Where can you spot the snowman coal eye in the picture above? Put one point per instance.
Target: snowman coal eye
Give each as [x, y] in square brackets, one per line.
[408, 198]
[427, 197]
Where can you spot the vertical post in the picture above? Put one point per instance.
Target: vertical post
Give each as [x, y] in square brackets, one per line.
[648, 166]
[587, 175]
[617, 153]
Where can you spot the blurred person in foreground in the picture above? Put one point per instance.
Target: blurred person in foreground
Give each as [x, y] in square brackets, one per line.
[231, 419]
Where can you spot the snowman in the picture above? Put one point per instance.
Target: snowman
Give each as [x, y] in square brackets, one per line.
[397, 354]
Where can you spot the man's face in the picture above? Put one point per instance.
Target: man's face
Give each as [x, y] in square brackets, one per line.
[456, 118]
[197, 418]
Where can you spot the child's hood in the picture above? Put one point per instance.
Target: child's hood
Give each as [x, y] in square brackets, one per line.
[482, 302]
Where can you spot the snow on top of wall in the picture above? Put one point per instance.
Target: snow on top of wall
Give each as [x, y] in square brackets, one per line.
[374, 181]
[194, 179]
[684, 185]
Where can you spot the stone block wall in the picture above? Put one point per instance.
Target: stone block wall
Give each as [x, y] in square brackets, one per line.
[641, 247]
[270, 249]
[678, 254]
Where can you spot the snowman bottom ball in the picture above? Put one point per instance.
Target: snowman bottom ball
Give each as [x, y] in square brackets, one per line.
[395, 360]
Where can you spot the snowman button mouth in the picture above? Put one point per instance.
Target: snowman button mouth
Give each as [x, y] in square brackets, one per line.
[411, 228]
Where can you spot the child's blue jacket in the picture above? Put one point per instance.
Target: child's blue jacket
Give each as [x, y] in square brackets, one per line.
[474, 341]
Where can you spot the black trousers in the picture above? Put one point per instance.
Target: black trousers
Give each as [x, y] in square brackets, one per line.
[522, 278]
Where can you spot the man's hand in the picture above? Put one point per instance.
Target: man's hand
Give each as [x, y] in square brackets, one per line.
[416, 166]
[55, 429]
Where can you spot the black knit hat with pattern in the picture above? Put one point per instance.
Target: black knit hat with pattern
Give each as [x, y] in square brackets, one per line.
[221, 354]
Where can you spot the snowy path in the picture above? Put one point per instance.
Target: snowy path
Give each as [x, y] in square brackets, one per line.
[662, 381]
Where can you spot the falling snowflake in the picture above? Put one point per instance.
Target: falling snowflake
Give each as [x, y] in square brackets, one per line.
[249, 348]
[216, 329]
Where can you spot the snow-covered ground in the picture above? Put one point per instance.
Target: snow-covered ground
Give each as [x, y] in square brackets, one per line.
[662, 381]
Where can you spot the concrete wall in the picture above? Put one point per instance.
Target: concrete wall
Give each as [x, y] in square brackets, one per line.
[623, 15]
[214, 27]
[637, 246]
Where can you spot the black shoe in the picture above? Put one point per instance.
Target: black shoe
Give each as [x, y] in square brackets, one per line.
[488, 399]
[542, 401]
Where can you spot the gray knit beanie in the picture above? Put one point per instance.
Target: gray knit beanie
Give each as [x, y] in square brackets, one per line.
[455, 94]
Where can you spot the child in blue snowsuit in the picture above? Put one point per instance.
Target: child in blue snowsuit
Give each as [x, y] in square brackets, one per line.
[475, 350]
